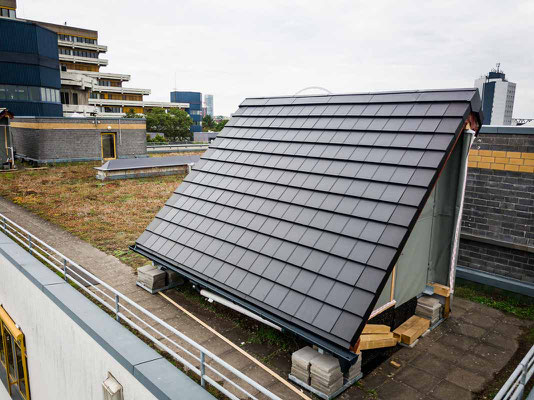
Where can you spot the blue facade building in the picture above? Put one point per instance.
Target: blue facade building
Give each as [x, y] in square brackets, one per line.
[29, 69]
[195, 107]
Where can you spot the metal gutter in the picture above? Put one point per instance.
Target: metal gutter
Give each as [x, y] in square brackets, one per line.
[498, 281]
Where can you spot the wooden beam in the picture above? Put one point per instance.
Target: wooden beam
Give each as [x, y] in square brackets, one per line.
[447, 307]
[377, 336]
[377, 343]
[410, 330]
[373, 328]
[441, 290]
[393, 276]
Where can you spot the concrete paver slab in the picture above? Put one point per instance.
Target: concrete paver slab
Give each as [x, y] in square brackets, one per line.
[466, 379]
[417, 379]
[447, 391]
[397, 390]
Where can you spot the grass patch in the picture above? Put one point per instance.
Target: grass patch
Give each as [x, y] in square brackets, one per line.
[519, 305]
[267, 335]
[109, 215]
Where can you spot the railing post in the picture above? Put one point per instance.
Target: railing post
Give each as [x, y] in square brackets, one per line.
[5, 225]
[65, 269]
[523, 380]
[117, 317]
[30, 244]
[202, 370]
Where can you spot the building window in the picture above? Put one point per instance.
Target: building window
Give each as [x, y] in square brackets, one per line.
[13, 357]
[8, 13]
[111, 109]
[65, 98]
[28, 93]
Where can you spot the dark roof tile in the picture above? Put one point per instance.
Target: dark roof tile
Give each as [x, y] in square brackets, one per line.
[301, 204]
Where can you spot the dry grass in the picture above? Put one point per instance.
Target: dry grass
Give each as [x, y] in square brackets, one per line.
[109, 215]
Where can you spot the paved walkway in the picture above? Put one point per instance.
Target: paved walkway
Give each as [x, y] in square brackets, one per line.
[453, 361]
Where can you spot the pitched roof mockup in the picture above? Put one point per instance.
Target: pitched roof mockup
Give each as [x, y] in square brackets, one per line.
[302, 205]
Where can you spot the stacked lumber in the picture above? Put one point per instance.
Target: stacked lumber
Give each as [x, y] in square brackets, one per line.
[300, 363]
[410, 330]
[151, 277]
[429, 308]
[376, 336]
[325, 374]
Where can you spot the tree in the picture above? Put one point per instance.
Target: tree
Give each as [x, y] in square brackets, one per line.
[175, 124]
[208, 123]
[220, 125]
[130, 113]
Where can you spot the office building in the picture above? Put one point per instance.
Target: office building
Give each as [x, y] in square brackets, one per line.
[85, 89]
[208, 99]
[498, 96]
[29, 68]
[194, 100]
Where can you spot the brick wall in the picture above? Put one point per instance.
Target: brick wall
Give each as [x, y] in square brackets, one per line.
[498, 218]
[68, 139]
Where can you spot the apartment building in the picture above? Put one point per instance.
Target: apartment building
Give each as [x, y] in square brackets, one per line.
[85, 89]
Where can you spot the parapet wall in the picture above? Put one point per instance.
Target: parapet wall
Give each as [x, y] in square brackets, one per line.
[72, 344]
[498, 219]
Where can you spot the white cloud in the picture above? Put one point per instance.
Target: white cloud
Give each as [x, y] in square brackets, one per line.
[235, 49]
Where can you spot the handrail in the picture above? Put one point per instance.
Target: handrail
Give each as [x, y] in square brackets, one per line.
[514, 387]
[115, 302]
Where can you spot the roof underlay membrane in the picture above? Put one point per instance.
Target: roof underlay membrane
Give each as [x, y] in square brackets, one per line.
[301, 206]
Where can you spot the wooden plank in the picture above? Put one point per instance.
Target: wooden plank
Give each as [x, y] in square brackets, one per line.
[405, 326]
[447, 307]
[416, 330]
[441, 290]
[376, 336]
[376, 344]
[374, 328]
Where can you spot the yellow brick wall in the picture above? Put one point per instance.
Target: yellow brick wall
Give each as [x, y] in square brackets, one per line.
[501, 160]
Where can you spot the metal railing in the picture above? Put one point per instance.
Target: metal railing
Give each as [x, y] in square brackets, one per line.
[514, 388]
[141, 320]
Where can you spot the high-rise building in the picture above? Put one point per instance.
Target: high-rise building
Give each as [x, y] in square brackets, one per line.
[85, 89]
[209, 104]
[498, 96]
[29, 68]
[194, 99]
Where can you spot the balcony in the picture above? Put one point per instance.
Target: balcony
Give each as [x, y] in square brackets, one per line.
[85, 110]
[78, 79]
[132, 103]
[108, 75]
[123, 90]
[83, 46]
[83, 60]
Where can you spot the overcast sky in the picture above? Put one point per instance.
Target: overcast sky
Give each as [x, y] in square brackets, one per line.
[237, 49]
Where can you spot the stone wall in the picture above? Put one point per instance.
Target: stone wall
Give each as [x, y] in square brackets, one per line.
[75, 139]
[498, 219]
